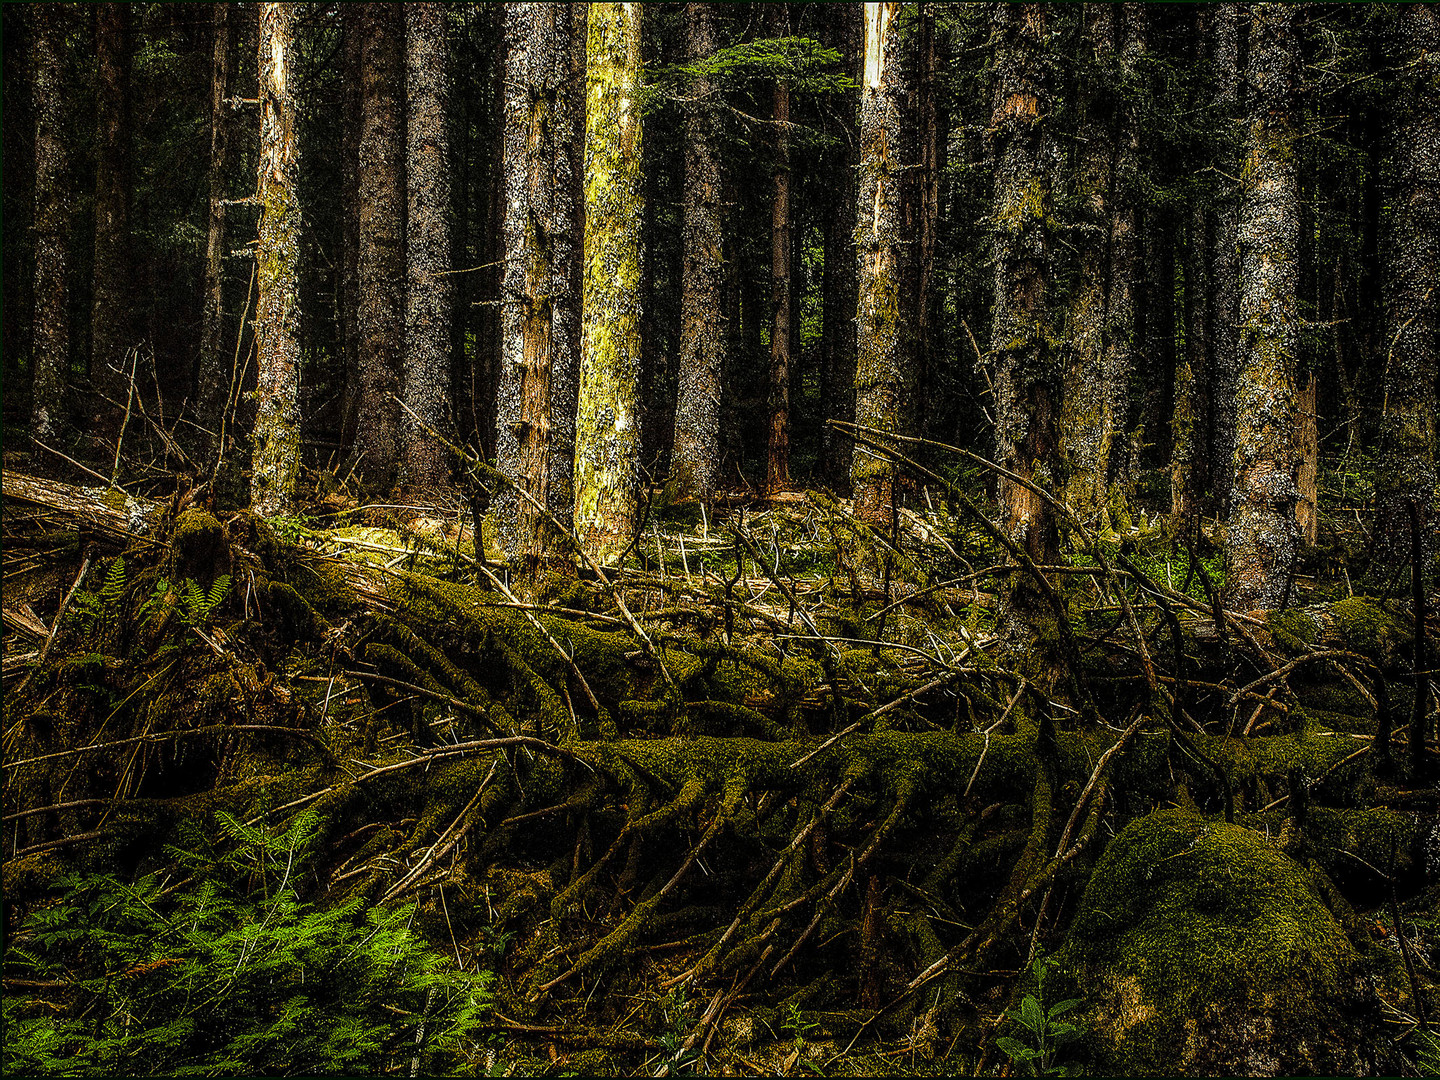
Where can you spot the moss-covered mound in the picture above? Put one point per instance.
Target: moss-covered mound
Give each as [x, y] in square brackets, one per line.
[1202, 949]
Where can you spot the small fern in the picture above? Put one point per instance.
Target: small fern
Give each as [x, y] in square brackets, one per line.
[113, 591]
[196, 605]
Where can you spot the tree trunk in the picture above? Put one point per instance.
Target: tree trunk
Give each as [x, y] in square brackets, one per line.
[929, 312]
[1224, 265]
[1026, 372]
[1307, 457]
[540, 319]
[276, 459]
[1101, 317]
[110, 329]
[885, 311]
[777, 471]
[1411, 271]
[1262, 533]
[427, 251]
[352, 50]
[49, 403]
[607, 444]
[837, 369]
[212, 384]
[696, 454]
[381, 267]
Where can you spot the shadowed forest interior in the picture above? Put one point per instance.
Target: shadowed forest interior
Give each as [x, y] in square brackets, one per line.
[661, 538]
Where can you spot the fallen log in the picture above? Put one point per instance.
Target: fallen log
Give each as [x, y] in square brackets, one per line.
[111, 511]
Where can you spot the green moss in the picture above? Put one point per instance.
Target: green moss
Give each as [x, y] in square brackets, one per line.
[1294, 631]
[1367, 627]
[1201, 948]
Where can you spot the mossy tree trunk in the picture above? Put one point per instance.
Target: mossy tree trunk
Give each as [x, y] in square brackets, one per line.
[427, 247]
[777, 458]
[695, 459]
[212, 387]
[276, 459]
[1411, 273]
[885, 259]
[1101, 317]
[1027, 368]
[380, 314]
[1224, 294]
[540, 319]
[50, 395]
[607, 438]
[838, 303]
[112, 269]
[1263, 538]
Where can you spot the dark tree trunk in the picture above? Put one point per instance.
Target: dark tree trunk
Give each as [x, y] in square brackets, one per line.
[777, 471]
[111, 333]
[50, 399]
[1262, 533]
[695, 459]
[932, 165]
[1027, 375]
[427, 252]
[1224, 265]
[276, 459]
[381, 267]
[885, 264]
[540, 320]
[352, 33]
[1410, 263]
[19, 192]
[212, 383]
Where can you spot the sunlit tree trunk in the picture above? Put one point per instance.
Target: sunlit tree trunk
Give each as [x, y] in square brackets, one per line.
[1410, 263]
[49, 405]
[695, 459]
[212, 384]
[1262, 533]
[1101, 318]
[110, 322]
[607, 438]
[885, 263]
[276, 459]
[540, 319]
[777, 471]
[427, 248]
[1027, 371]
[380, 313]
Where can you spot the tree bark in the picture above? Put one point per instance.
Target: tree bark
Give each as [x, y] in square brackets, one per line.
[49, 403]
[212, 387]
[540, 336]
[1027, 376]
[777, 471]
[1224, 265]
[276, 459]
[352, 50]
[696, 454]
[607, 444]
[1411, 271]
[1307, 458]
[427, 366]
[885, 263]
[110, 324]
[929, 312]
[380, 314]
[1262, 535]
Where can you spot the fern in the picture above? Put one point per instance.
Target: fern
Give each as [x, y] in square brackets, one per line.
[113, 591]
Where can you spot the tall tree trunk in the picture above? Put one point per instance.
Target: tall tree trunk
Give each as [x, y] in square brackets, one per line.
[110, 324]
[1262, 532]
[1307, 460]
[540, 319]
[18, 153]
[696, 455]
[427, 248]
[352, 58]
[837, 368]
[212, 384]
[49, 404]
[932, 165]
[1224, 265]
[1101, 317]
[885, 311]
[1026, 371]
[276, 459]
[607, 440]
[381, 267]
[1411, 272]
[777, 471]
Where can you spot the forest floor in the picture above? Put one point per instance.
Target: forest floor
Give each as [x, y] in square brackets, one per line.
[783, 794]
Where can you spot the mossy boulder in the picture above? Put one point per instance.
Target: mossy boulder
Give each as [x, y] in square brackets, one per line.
[1200, 948]
[200, 546]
